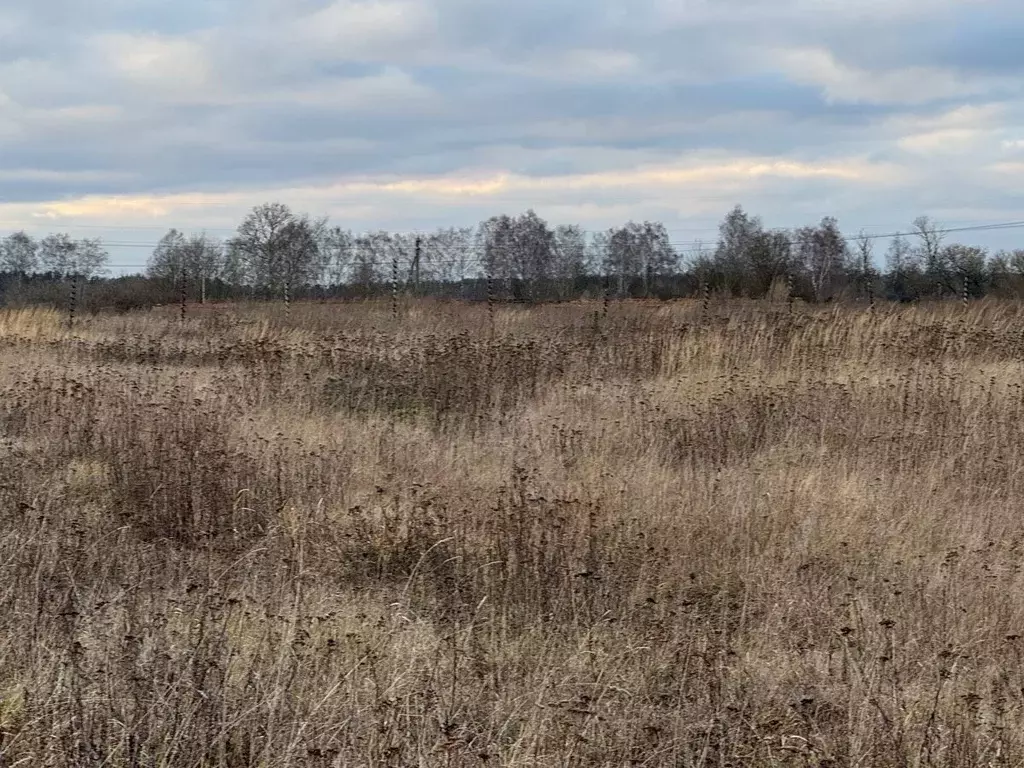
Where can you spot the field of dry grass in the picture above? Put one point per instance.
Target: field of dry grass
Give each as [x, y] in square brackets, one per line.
[652, 538]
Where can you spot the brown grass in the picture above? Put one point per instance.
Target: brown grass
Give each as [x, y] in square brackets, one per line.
[338, 539]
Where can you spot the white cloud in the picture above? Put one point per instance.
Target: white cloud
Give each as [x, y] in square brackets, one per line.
[36, 80]
[9, 126]
[163, 66]
[876, 11]
[18, 121]
[843, 83]
[192, 71]
[591, 64]
[960, 131]
[9, 24]
[671, 184]
[366, 30]
[949, 141]
[779, 14]
[41, 174]
[392, 90]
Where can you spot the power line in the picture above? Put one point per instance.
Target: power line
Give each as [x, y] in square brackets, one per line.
[468, 256]
[712, 226]
[678, 243]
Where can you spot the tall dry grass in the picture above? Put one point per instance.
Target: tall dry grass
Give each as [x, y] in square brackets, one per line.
[336, 538]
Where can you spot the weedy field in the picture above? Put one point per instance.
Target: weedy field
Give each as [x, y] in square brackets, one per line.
[551, 537]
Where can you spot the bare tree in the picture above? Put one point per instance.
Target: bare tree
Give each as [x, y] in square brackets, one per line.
[768, 257]
[519, 251]
[570, 257]
[737, 235]
[701, 262]
[91, 257]
[822, 253]
[999, 273]
[639, 251]
[903, 267]
[261, 241]
[165, 263]
[233, 268]
[400, 252]
[1016, 261]
[930, 250]
[57, 254]
[968, 264]
[900, 254]
[204, 260]
[866, 272]
[279, 249]
[534, 253]
[63, 256]
[448, 254]
[372, 259]
[317, 270]
[300, 254]
[18, 253]
[195, 258]
[496, 243]
[337, 249]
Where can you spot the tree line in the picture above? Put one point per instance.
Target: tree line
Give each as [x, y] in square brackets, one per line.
[58, 255]
[278, 253]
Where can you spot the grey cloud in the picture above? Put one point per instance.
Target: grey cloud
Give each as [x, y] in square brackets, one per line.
[227, 96]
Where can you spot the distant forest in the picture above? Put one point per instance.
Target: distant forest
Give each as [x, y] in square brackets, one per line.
[278, 254]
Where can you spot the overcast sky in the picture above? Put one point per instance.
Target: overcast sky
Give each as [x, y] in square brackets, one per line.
[121, 118]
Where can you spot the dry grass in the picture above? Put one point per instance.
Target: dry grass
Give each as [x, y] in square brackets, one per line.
[337, 539]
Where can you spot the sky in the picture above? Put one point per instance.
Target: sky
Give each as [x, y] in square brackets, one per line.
[122, 118]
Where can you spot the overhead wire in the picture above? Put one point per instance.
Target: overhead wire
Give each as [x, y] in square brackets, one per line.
[675, 243]
[472, 251]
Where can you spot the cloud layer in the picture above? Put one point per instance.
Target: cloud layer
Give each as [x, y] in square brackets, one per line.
[127, 117]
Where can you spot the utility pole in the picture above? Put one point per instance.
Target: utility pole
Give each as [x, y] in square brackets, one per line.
[394, 286]
[416, 266]
[490, 300]
[74, 300]
[184, 291]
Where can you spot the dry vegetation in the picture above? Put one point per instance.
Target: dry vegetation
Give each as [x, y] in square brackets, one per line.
[335, 539]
